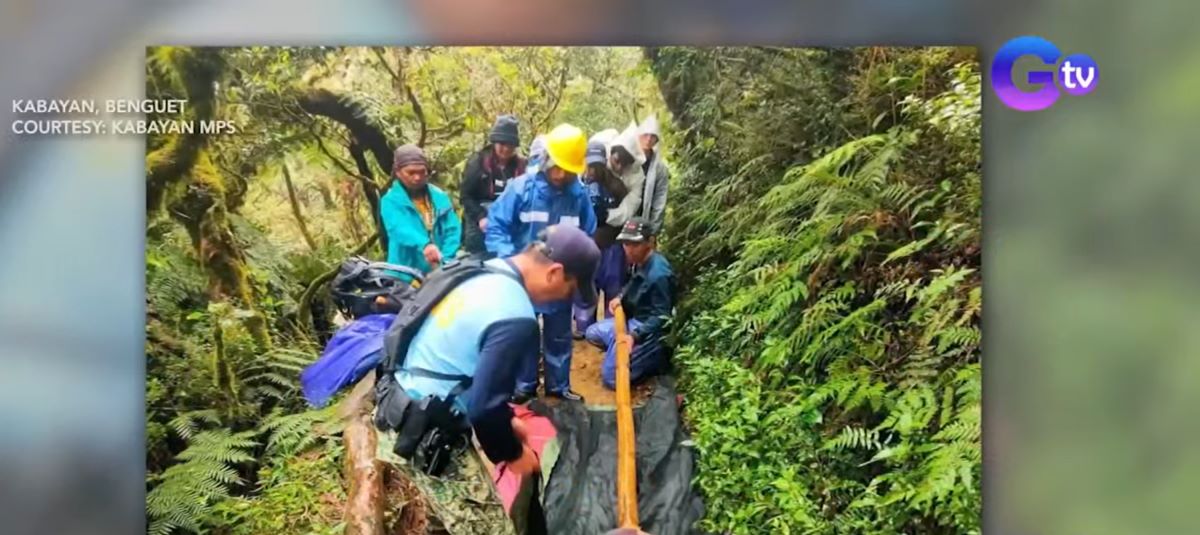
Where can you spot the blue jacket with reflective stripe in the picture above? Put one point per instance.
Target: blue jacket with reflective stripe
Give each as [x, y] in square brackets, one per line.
[528, 205]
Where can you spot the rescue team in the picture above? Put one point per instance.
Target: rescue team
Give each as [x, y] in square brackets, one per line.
[574, 217]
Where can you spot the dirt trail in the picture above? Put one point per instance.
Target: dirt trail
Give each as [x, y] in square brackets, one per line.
[586, 361]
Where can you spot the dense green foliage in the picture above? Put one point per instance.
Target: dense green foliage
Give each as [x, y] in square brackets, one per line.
[828, 218]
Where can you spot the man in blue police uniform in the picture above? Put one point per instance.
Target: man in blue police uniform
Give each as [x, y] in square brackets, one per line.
[648, 300]
[483, 329]
[549, 195]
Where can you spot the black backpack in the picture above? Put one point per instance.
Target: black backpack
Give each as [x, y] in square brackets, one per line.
[413, 308]
[359, 282]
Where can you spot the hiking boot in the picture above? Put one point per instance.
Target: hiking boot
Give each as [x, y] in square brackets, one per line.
[568, 395]
[521, 398]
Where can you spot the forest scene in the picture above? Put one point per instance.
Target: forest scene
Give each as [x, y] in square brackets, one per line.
[823, 220]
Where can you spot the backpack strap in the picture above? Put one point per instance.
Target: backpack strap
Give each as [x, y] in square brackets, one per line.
[398, 268]
[414, 310]
[462, 271]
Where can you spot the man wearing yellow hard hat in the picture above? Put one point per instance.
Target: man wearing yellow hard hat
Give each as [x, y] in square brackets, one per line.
[549, 194]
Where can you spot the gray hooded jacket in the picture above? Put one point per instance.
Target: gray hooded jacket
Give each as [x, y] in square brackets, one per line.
[632, 177]
[654, 196]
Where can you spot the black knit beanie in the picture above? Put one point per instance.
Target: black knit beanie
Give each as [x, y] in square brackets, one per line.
[505, 131]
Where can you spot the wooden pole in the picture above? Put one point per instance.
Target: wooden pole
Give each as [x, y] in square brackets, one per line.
[627, 511]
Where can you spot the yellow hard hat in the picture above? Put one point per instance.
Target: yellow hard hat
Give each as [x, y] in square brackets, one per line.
[567, 146]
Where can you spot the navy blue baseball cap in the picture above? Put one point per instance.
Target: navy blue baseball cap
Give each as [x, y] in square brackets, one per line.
[595, 153]
[578, 254]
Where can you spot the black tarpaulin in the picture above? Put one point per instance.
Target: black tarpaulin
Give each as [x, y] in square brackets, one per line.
[580, 496]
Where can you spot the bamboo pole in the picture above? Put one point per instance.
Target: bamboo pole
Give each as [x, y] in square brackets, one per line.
[627, 511]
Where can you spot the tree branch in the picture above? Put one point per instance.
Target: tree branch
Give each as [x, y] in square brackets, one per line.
[437, 97]
[396, 78]
[371, 192]
[352, 115]
[412, 98]
[291, 190]
[236, 195]
[402, 84]
[562, 83]
[336, 161]
[370, 189]
[363, 513]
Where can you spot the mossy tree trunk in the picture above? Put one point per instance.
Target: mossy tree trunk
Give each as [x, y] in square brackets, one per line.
[181, 176]
[189, 74]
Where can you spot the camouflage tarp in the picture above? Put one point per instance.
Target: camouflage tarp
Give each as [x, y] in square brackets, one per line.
[462, 500]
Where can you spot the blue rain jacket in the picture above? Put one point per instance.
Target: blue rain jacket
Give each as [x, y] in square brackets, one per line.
[530, 204]
[352, 352]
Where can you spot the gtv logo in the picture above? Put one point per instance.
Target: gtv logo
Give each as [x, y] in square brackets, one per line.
[1077, 74]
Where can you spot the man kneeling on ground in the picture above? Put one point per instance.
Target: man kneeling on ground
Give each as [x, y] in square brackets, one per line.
[481, 332]
[647, 298]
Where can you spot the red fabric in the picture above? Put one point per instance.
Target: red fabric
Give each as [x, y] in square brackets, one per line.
[540, 431]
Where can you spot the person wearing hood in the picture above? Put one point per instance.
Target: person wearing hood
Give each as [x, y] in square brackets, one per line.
[626, 160]
[654, 197]
[537, 153]
[423, 231]
[549, 194]
[614, 181]
[486, 175]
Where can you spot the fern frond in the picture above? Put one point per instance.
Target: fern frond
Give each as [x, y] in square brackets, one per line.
[293, 433]
[185, 491]
[946, 280]
[853, 438]
[186, 423]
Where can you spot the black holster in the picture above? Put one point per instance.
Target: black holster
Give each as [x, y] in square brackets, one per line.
[428, 431]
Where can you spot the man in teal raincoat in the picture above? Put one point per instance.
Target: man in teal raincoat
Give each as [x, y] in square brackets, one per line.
[423, 230]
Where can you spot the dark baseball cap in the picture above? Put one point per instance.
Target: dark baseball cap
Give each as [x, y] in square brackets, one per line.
[578, 254]
[637, 229]
[595, 153]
